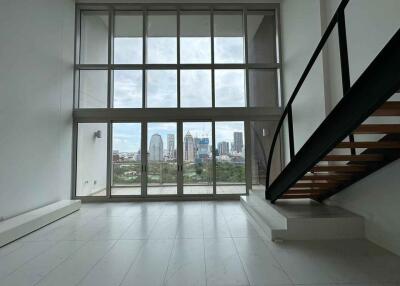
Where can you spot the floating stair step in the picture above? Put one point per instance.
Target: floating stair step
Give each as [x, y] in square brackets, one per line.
[370, 145]
[329, 177]
[378, 129]
[315, 185]
[295, 191]
[298, 196]
[355, 158]
[390, 108]
[345, 169]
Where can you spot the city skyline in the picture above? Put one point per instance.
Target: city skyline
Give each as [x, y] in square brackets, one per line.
[194, 147]
[127, 136]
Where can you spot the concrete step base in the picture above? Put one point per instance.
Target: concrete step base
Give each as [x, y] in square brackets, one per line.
[302, 219]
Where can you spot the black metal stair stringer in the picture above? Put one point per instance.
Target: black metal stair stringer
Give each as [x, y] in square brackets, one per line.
[378, 82]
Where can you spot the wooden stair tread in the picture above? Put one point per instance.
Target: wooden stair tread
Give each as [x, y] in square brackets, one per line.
[296, 196]
[308, 191]
[300, 195]
[315, 185]
[378, 129]
[328, 177]
[370, 145]
[358, 158]
[389, 108]
[345, 168]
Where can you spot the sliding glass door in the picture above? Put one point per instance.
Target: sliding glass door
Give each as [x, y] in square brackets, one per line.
[162, 164]
[197, 142]
[231, 157]
[127, 167]
[177, 158]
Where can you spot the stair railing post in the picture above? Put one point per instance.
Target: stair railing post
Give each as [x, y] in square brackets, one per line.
[344, 60]
[290, 130]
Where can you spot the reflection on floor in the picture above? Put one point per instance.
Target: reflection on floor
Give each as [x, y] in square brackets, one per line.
[183, 243]
[172, 190]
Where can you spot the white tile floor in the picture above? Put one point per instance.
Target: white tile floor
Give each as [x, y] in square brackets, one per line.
[183, 243]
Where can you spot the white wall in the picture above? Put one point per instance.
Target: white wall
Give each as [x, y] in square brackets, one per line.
[36, 71]
[91, 172]
[370, 25]
[301, 32]
[377, 199]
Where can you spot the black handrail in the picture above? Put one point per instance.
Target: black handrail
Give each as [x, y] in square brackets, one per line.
[338, 17]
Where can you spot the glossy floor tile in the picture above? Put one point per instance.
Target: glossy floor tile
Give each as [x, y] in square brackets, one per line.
[184, 243]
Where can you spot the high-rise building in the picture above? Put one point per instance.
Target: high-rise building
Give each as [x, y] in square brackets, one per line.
[171, 146]
[189, 148]
[156, 148]
[202, 147]
[238, 142]
[223, 148]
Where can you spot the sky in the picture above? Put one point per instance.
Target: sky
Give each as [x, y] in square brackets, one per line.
[127, 136]
[161, 85]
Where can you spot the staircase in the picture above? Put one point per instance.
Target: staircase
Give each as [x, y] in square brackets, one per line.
[341, 152]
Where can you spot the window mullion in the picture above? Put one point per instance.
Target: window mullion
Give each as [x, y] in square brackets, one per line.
[110, 55]
[178, 56]
[144, 75]
[246, 57]
[212, 58]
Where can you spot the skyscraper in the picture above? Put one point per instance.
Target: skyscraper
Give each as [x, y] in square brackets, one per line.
[171, 146]
[203, 148]
[156, 148]
[238, 142]
[189, 148]
[223, 148]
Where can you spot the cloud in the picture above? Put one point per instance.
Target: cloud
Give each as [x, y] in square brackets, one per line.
[161, 85]
[230, 88]
[196, 88]
[161, 88]
[128, 89]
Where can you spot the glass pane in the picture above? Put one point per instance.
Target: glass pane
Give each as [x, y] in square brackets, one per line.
[93, 89]
[230, 88]
[230, 165]
[161, 88]
[94, 38]
[228, 38]
[262, 133]
[263, 88]
[161, 38]
[91, 168]
[196, 88]
[128, 38]
[261, 37]
[126, 159]
[197, 158]
[127, 89]
[195, 38]
[162, 163]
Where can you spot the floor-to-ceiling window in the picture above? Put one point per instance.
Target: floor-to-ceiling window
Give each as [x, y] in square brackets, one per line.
[169, 99]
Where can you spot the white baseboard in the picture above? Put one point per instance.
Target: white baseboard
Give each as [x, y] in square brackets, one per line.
[16, 227]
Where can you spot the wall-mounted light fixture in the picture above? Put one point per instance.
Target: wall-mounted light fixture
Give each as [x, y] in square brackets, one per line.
[97, 134]
[265, 132]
